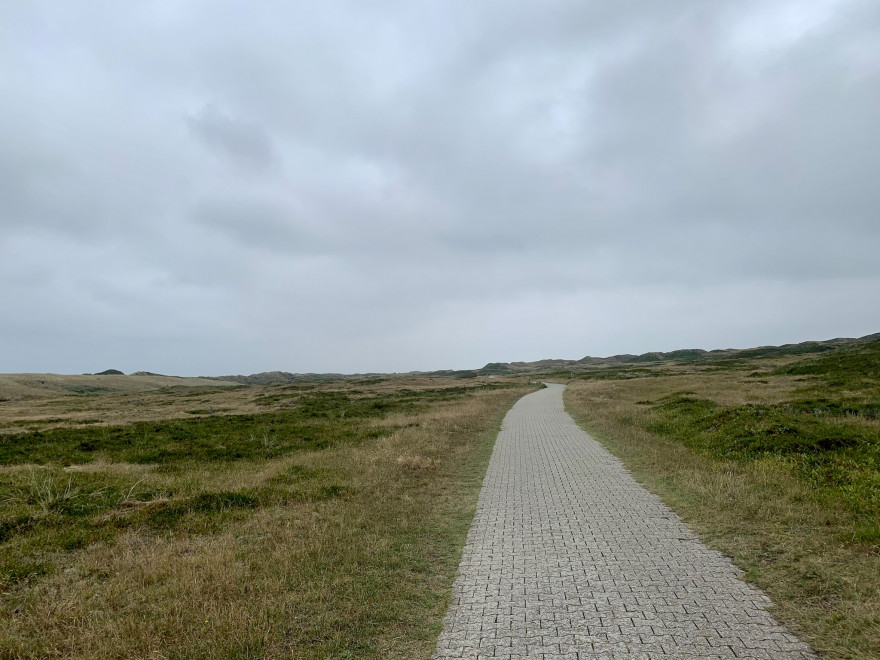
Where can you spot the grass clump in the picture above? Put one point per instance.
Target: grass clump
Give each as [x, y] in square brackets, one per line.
[44, 511]
[170, 514]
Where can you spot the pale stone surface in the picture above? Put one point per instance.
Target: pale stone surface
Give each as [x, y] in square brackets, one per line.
[568, 557]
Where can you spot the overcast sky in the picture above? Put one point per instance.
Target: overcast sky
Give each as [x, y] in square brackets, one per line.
[214, 187]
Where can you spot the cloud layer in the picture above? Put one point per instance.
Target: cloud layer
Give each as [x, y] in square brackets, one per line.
[206, 188]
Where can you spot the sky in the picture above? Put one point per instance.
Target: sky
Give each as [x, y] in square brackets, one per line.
[204, 187]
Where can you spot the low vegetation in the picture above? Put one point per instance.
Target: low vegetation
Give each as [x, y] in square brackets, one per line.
[774, 458]
[280, 517]
[308, 521]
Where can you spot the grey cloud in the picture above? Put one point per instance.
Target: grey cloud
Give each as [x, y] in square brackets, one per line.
[246, 144]
[334, 186]
[257, 223]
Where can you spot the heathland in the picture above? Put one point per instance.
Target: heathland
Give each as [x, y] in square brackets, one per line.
[143, 518]
[279, 515]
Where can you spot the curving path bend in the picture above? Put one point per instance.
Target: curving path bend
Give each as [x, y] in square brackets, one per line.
[568, 557]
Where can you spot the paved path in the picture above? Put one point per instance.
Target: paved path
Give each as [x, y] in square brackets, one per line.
[568, 557]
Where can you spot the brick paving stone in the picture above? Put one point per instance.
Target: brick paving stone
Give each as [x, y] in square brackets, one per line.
[569, 558]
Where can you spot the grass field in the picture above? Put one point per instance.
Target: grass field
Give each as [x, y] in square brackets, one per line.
[295, 521]
[773, 459]
[151, 517]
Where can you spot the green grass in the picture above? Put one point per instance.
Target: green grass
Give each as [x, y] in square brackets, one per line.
[853, 368]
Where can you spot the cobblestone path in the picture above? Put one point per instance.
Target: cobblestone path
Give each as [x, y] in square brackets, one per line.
[569, 557]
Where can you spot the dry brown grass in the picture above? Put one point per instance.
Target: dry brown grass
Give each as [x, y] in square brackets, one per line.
[30, 387]
[418, 462]
[31, 402]
[794, 544]
[366, 574]
[41, 401]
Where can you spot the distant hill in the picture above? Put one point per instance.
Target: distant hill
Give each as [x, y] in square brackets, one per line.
[682, 356]
[20, 387]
